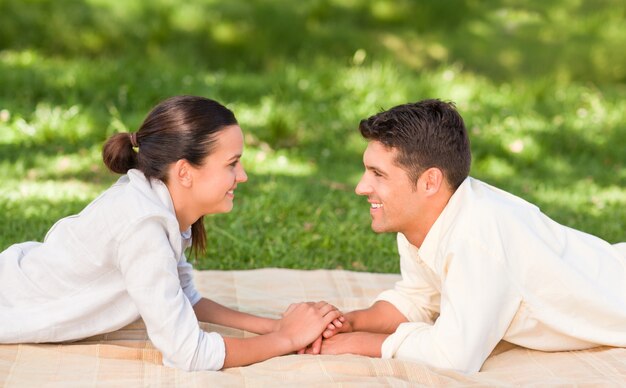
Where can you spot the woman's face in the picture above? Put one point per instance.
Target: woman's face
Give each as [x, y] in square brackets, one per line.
[215, 181]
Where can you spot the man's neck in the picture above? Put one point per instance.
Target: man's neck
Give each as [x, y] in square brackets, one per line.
[417, 234]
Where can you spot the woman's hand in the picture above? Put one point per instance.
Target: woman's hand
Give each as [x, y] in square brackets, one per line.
[303, 323]
[336, 326]
[300, 325]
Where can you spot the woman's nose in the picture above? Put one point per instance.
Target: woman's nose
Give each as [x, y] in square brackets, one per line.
[241, 175]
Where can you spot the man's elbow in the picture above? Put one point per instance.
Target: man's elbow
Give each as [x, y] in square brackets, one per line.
[459, 361]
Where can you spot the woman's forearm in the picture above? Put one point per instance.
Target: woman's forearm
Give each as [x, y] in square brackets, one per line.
[300, 325]
[246, 351]
[212, 312]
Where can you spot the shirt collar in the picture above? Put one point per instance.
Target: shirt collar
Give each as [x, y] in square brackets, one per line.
[162, 193]
[428, 251]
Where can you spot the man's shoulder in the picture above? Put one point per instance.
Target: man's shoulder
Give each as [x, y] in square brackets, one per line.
[490, 214]
[485, 197]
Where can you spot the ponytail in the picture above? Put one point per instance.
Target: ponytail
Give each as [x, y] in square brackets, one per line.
[118, 153]
[198, 237]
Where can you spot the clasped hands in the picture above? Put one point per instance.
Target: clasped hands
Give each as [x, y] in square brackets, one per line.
[327, 341]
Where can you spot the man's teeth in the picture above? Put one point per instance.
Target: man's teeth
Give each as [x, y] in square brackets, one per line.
[231, 191]
[376, 205]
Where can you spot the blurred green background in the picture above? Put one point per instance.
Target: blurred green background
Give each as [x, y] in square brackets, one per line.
[541, 85]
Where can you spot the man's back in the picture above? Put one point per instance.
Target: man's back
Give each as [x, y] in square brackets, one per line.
[572, 285]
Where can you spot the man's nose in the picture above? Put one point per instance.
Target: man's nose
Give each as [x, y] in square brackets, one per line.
[363, 188]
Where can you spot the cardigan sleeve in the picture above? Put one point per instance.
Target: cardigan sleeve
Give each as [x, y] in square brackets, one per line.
[150, 271]
[478, 302]
[417, 294]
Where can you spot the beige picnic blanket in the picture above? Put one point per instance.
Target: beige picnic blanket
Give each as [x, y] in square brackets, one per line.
[127, 358]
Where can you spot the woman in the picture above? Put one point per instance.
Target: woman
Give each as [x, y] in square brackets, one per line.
[122, 257]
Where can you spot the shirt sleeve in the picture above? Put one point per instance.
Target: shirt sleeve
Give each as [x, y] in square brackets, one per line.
[150, 271]
[185, 274]
[416, 295]
[621, 248]
[478, 302]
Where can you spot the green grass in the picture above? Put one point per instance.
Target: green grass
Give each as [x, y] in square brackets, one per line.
[542, 88]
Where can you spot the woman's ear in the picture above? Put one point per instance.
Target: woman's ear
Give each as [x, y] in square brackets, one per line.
[182, 173]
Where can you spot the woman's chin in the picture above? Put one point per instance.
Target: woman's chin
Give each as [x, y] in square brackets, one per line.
[224, 207]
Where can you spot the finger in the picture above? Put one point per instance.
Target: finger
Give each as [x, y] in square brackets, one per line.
[316, 346]
[337, 323]
[320, 304]
[328, 333]
[331, 326]
[330, 316]
[324, 310]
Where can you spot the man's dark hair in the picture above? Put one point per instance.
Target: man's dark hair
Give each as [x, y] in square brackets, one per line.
[428, 133]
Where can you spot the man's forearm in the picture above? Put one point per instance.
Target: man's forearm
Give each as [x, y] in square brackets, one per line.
[381, 317]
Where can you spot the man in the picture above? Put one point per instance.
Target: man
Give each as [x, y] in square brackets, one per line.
[478, 264]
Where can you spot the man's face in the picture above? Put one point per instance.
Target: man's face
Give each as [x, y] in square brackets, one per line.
[395, 202]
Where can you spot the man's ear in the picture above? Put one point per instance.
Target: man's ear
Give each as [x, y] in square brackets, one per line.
[431, 181]
[181, 172]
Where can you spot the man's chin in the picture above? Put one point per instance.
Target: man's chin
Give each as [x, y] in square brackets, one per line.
[380, 229]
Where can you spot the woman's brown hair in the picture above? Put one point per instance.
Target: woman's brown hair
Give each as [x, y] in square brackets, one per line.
[181, 127]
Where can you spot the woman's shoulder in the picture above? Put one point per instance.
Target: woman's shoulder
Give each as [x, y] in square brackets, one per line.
[137, 194]
[128, 201]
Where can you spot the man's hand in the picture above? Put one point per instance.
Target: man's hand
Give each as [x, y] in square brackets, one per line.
[344, 326]
[365, 344]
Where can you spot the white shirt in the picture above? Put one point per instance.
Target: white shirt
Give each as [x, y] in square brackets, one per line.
[119, 259]
[494, 267]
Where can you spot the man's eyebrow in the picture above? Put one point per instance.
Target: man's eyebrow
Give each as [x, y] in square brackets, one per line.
[375, 169]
